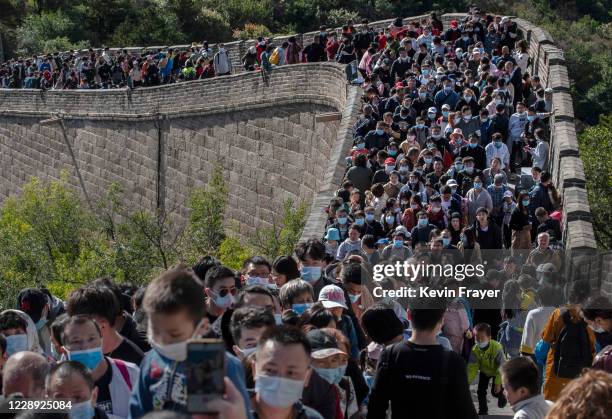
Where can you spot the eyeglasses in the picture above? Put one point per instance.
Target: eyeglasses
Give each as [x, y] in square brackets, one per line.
[224, 291]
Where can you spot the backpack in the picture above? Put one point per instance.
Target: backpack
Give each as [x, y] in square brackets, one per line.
[123, 370]
[572, 348]
[389, 358]
[274, 57]
[603, 360]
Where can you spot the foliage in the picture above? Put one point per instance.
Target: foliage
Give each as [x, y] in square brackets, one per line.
[252, 31]
[45, 32]
[207, 206]
[595, 149]
[232, 253]
[339, 17]
[215, 26]
[280, 238]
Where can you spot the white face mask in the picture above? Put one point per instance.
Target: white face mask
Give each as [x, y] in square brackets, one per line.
[175, 351]
[278, 391]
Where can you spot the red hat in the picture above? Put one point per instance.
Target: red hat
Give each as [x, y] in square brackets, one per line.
[390, 160]
[453, 23]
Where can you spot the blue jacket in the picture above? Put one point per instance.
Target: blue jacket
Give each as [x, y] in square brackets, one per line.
[442, 98]
[163, 385]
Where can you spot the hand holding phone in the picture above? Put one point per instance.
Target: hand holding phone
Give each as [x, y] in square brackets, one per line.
[205, 374]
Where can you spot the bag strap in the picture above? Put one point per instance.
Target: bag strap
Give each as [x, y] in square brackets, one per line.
[124, 372]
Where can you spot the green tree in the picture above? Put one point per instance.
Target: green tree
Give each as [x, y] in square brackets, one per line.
[281, 237]
[47, 30]
[206, 214]
[595, 149]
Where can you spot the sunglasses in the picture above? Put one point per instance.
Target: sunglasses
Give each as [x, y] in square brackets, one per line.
[224, 291]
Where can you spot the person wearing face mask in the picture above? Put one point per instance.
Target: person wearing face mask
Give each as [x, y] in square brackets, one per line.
[330, 362]
[19, 332]
[113, 378]
[281, 369]
[378, 138]
[468, 99]
[222, 62]
[173, 305]
[401, 65]
[247, 325]
[447, 95]
[351, 243]
[539, 153]
[477, 197]
[399, 249]
[342, 222]
[72, 381]
[485, 360]
[465, 121]
[514, 141]
[435, 213]
[419, 378]
[35, 304]
[421, 232]
[466, 177]
[520, 223]
[598, 314]
[475, 151]
[497, 150]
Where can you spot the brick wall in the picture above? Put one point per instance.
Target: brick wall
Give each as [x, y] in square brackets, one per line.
[206, 111]
[160, 142]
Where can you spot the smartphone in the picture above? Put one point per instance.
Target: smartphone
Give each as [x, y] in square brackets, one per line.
[205, 370]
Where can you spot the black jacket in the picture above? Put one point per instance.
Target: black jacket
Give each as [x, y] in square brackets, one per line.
[420, 381]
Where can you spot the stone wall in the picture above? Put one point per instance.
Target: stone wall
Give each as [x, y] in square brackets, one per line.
[189, 108]
[160, 142]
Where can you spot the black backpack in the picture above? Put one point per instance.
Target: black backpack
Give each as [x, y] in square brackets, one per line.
[572, 348]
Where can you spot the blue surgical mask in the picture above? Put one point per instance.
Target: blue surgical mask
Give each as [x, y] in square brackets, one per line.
[422, 95]
[354, 298]
[448, 89]
[369, 217]
[469, 169]
[389, 219]
[360, 146]
[342, 220]
[445, 114]
[431, 116]
[531, 118]
[223, 302]
[398, 243]
[393, 153]
[498, 144]
[425, 71]
[16, 343]
[359, 221]
[428, 160]
[453, 190]
[423, 222]
[301, 308]
[90, 358]
[83, 410]
[525, 202]
[446, 241]
[332, 375]
[380, 132]
[278, 391]
[458, 166]
[477, 185]
[420, 125]
[310, 273]
[473, 145]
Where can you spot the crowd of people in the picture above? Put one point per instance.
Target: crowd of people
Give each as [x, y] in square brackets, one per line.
[449, 120]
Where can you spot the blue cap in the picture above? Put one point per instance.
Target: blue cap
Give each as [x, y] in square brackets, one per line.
[383, 241]
[332, 234]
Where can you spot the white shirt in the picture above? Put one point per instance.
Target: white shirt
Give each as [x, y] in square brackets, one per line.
[534, 326]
